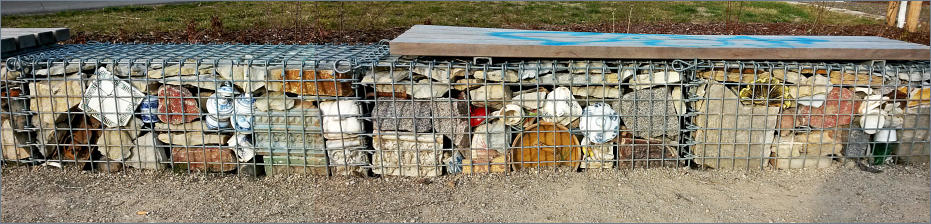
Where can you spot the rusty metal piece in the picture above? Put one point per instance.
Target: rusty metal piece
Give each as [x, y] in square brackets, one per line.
[86, 130]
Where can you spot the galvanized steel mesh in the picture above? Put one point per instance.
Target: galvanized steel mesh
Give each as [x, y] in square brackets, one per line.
[355, 110]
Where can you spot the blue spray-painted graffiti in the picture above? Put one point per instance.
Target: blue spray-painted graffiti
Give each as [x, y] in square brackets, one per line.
[656, 40]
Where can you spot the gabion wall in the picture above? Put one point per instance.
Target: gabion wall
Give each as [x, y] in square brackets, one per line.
[355, 110]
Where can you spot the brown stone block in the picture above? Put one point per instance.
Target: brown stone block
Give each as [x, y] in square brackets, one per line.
[204, 159]
[310, 82]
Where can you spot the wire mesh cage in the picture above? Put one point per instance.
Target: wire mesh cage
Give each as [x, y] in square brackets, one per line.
[255, 109]
[356, 110]
[512, 114]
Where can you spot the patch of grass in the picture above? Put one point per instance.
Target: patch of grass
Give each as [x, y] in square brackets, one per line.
[365, 15]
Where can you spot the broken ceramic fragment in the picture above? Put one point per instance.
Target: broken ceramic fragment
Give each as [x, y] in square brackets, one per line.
[340, 118]
[599, 123]
[511, 114]
[110, 100]
[176, 105]
[597, 156]
[242, 146]
[560, 107]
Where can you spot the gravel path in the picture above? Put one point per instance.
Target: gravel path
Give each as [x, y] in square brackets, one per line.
[839, 194]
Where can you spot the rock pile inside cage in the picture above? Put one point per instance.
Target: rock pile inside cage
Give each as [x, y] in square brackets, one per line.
[423, 116]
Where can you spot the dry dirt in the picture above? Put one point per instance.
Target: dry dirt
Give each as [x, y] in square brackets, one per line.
[839, 194]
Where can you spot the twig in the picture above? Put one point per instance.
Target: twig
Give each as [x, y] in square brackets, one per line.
[124, 17]
[630, 12]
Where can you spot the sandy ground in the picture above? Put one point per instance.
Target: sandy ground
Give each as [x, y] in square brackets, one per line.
[839, 194]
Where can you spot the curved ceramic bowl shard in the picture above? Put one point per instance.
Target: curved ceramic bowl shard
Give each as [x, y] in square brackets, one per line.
[545, 144]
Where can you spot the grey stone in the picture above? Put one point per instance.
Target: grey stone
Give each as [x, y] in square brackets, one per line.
[913, 137]
[175, 70]
[650, 113]
[274, 101]
[60, 69]
[208, 81]
[643, 81]
[247, 170]
[147, 154]
[422, 89]
[858, 142]
[599, 92]
[493, 96]
[446, 116]
[193, 138]
[126, 70]
[724, 130]
[248, 78]
[452, 120]
[531, 99]
[440, 73]
[392, 114]
[497, 75]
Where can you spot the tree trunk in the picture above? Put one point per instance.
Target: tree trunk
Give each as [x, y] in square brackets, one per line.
[892, 12]
[911, 16]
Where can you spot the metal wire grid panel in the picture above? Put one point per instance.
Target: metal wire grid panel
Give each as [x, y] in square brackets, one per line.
[350, 110]
[511, 114]
[257, 109]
